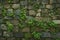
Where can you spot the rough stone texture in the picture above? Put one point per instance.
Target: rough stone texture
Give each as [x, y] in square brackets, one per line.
[15, 6]
[46, 34]
[7, 6]
[49, 6]
[17, 11]
[56, 21]
[32, 12]
[10, 10]
[19, 34]
[58, 1]
[3, 27]
[39, 10]
[46, 8]
[23, 2]
[38, 14]
[26, 29]
[5, 34]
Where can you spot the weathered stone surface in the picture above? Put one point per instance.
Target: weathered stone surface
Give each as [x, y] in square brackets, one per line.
[26, 29]
[15, 29]
[2, 38]
[1, 20]
[14, 21]
[3, 27]
[5, 34]
[17, 12]
[57, 5]
[38, 18]
[38, 14]
[58, 17]
[11, 38]
[39, 10]
[58, 35]
[19, 34]
[49, 6]
[9, 11]
[0, 33]
[53, 1]
[45, 1]
[46, 34]
[58, 1]
[7, 6]
[15, 6]
[23, 2]
[29, 7]
[32, 12]
[44, 11]
[56, 21]
[15, 1]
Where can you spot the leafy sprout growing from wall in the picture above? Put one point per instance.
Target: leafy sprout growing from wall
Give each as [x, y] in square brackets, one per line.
[36, 35]
[9, 26]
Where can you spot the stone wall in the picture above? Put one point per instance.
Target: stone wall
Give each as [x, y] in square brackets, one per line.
[45, 10]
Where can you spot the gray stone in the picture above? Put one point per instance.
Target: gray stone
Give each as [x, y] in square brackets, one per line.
[56, 21]
[7, 6]
[15, 29]
[32, 12]
[23, 2]
[17, 12]
[53, 1]
[0, 33]
[57, 5]
[5, 34]
[19, 34]
[29, 7]
[15, 6]
[46, 34]
[2, 38]
[14, 21]
[38, 14]
[26, 29]
[1, 20]
[15, 1]
[45, 1]
[57, 17]
[11, 38]
[58, 1]
[42, 6]
[6, 17]
[58, 35]
[39, 10]
[3, 27]
[10, 11]
[49, 6]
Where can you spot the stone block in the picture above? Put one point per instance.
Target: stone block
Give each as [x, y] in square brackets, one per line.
[56, 21]
[32, 12]
[15, 6]
[26, 29]
[18, 34]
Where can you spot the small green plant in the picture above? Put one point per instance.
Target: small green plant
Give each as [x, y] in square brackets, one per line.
[22, 15]
[21, 25]
[36, 35]
[52, 24]
[11, 14]
[31, 23]
[42, 25]
[9, 26]
[4, 12]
